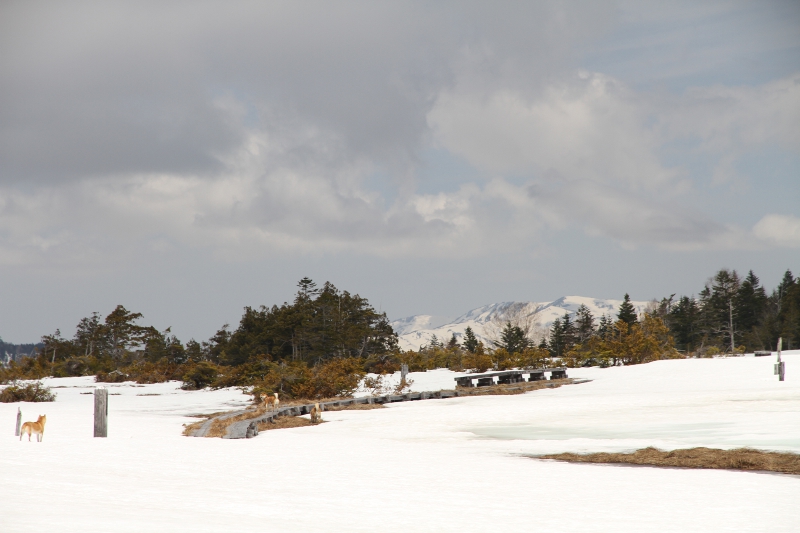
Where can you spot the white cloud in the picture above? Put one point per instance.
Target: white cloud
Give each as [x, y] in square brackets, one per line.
[783, 230]
[590, 127]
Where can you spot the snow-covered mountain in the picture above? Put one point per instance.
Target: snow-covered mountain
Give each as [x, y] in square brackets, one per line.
[417, 330]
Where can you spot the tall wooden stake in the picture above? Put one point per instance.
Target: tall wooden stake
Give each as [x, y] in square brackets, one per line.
[780, 366]
[19, 421]
[101, 412]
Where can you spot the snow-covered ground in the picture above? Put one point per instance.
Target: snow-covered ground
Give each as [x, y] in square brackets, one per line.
[415, 331]
[436, 465]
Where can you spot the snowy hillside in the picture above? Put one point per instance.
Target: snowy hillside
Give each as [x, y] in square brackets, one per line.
[417, 330]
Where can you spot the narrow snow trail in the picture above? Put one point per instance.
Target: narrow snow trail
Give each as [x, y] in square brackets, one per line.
[438, 465]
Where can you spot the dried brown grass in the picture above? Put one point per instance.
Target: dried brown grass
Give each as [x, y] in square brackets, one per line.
[738, 459]
[219, 427]
[188, 429]
[284, 422]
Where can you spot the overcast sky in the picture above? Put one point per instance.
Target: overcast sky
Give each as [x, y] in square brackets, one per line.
[186, 159]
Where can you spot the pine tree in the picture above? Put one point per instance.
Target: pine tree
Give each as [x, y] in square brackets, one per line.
[627, 313]
[569, 332]
[556, 338]
[751, 303]
[584, 324]
[513, 339]
[604, 326]
[724, 288]
[685, 324]
[434, 343]
[783, 287]
[453, 342]
[788, 319]
[470, 342]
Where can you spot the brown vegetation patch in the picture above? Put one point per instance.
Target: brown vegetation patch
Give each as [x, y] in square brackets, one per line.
[513, 388]
[219, 427]
[284, 422]
[738, 459]
[188, 429]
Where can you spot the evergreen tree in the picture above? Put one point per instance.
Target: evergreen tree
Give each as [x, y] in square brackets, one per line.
[556, 344]
[435, 343]
[685, 325]
[604, 326]
[627, 313]
[584, 324]
[788, 318]
[122, 333]
[569, 332]
[470, 341]
[751, 305]
[784, 286]
[723, 307]
[453, 342]
[319, 325]
[513, 339]
[543, 344]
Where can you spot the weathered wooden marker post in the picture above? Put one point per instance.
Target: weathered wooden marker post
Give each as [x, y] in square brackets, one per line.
[101, 412]
[780, 366]
[19, 421]
[403, 372]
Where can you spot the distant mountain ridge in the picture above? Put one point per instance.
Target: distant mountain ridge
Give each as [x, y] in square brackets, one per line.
[417, 330]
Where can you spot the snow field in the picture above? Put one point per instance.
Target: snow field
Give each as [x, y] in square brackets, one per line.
[437, 465]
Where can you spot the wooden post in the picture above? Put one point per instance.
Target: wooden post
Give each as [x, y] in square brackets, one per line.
[101, 412]
[780, 366]
[403, 372]
[19, 421]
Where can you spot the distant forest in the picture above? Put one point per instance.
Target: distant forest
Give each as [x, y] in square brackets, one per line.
[728, 315]
[15, 352]
[325, 340]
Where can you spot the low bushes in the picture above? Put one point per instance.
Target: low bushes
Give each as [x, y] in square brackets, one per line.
[738, 459]
[17, 391]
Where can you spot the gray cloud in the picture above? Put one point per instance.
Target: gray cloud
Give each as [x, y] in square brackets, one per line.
[97, 89]
[205, 136]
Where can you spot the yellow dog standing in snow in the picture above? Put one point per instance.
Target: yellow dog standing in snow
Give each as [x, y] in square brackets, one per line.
[37, 428]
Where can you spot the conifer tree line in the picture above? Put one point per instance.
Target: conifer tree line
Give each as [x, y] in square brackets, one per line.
[573, 340]
[731, 315]
[320, 344]
[326, 340]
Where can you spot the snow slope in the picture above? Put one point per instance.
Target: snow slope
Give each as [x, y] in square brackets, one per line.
[436, 465]
[417, 330]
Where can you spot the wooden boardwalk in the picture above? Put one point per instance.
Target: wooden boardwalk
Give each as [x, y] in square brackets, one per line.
[505, 377]
[248, 428]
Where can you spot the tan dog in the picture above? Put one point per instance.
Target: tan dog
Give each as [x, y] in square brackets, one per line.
[275, 402]
[36, 428]
[316, 414]
[271, 400]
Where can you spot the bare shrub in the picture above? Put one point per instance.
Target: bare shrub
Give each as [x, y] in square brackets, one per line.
[17, 391]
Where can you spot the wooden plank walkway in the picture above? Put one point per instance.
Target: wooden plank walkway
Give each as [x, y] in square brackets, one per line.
[505, 377]
[248, 428]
